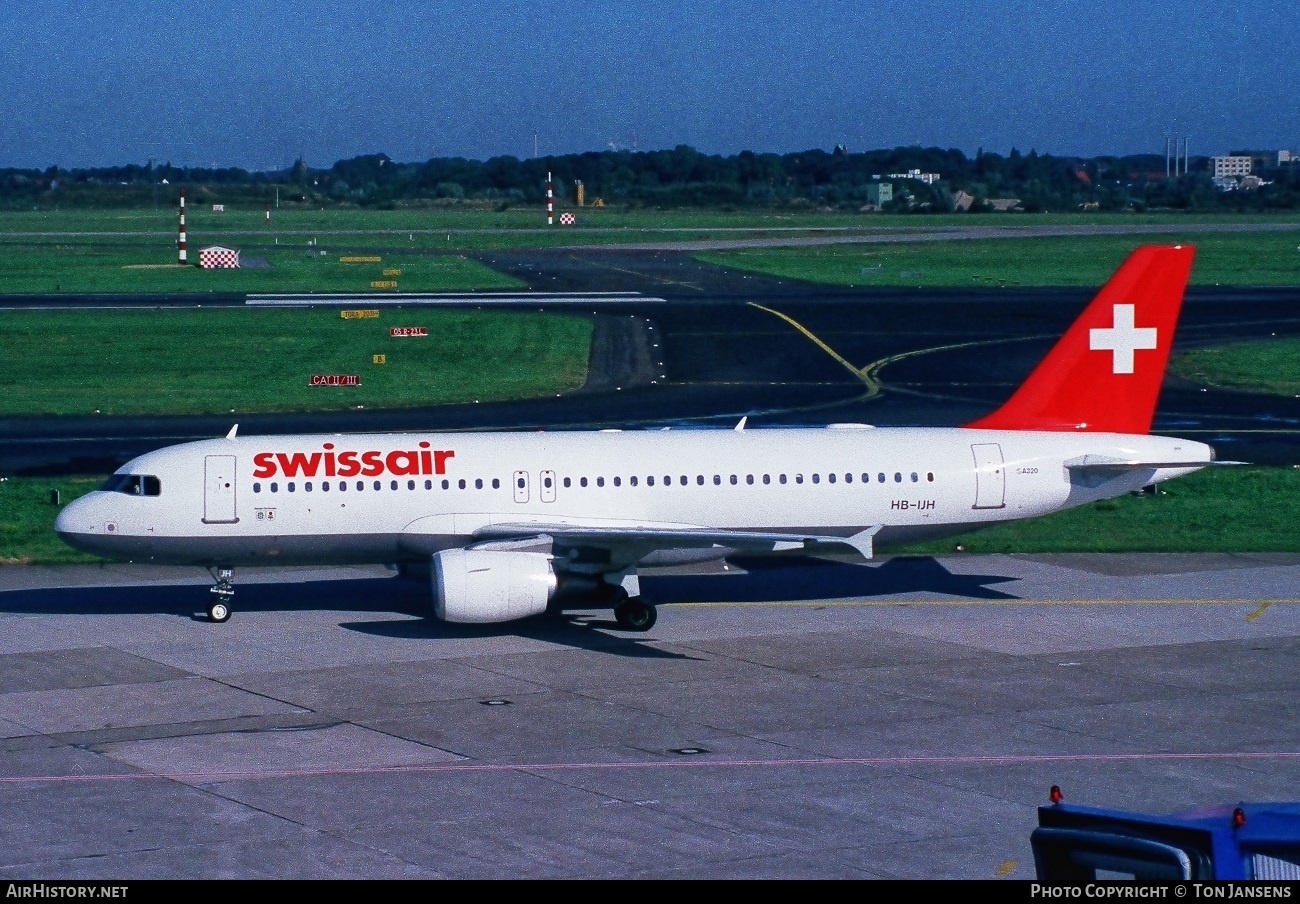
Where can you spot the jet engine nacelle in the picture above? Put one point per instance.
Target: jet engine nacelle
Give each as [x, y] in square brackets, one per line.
[475, 586]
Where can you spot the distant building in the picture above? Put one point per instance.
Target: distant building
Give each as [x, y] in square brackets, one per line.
[1231, 165]
[1004, 204]
[1285, 157]
[962, 200]
[878, 193]
[927, 178]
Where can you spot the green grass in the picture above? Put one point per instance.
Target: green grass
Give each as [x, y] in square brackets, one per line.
[216, 360]
[131, 266]
[1226, 509]
[102, 251]
[213, 360]
[27, 519]
[1240, 259]
[1222, 509]
[1265, 365]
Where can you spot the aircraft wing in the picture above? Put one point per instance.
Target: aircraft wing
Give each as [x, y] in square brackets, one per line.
[628, 545]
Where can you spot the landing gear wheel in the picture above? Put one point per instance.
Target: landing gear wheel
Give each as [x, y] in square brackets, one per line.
[222, 591]
[634, 615]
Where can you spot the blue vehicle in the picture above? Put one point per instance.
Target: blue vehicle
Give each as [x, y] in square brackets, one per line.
[1259, 841]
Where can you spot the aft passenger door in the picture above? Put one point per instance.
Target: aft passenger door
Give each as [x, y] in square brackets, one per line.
[219, 489]
[990, 476]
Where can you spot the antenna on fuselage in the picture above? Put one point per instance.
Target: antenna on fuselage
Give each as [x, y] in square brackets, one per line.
[233, 431]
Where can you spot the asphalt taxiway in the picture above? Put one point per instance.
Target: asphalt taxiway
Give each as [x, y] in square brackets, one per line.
[903, 720]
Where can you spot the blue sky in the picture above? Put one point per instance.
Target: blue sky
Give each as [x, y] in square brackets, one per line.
[255, 83]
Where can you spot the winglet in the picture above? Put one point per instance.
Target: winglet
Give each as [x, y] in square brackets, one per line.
[741, 426]
[233, 431]
[1105, 373]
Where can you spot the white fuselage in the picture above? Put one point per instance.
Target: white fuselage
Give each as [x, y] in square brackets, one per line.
[308, 499]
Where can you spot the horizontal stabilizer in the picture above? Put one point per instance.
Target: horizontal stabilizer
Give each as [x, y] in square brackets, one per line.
[1101, 463]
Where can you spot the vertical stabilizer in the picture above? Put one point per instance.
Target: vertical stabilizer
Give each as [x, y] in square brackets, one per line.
[1105, 373]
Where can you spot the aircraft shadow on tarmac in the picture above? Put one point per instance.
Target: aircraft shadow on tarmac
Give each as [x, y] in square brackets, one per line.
[758, 580]
[792, 578]
[408, 596]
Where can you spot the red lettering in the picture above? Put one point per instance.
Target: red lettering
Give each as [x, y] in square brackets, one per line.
[400, 463]
[348, 464]
[440, 457]
[374, 464]
[265, 464]
[297, 462]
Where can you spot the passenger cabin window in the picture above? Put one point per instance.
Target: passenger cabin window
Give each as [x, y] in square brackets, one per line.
[133, 485]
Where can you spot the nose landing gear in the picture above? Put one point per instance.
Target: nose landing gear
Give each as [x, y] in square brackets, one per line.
[220, 595]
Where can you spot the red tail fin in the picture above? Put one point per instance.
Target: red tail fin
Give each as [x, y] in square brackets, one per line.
[1104, 374]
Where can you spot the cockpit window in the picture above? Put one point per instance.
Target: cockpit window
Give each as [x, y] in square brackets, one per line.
[133, 485]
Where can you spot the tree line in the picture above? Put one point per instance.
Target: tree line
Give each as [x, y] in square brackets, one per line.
[679, 177]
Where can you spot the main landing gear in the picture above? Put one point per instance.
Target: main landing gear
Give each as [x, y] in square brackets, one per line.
[630, 611]
[220, 595]
[635, 615]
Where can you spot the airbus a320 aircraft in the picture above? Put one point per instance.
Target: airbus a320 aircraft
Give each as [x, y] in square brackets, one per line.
[514, 524]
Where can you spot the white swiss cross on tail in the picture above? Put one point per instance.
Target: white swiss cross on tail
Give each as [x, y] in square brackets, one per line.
[1122, 339]
[1074, 387]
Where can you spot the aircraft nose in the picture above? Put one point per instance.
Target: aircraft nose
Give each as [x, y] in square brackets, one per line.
[75, 520]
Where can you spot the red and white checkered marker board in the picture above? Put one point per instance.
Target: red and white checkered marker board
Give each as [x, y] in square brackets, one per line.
[567, 219]
[215, 258]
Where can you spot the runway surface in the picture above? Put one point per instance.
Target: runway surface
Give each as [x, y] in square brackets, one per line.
[782, 719]
[903, 720]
